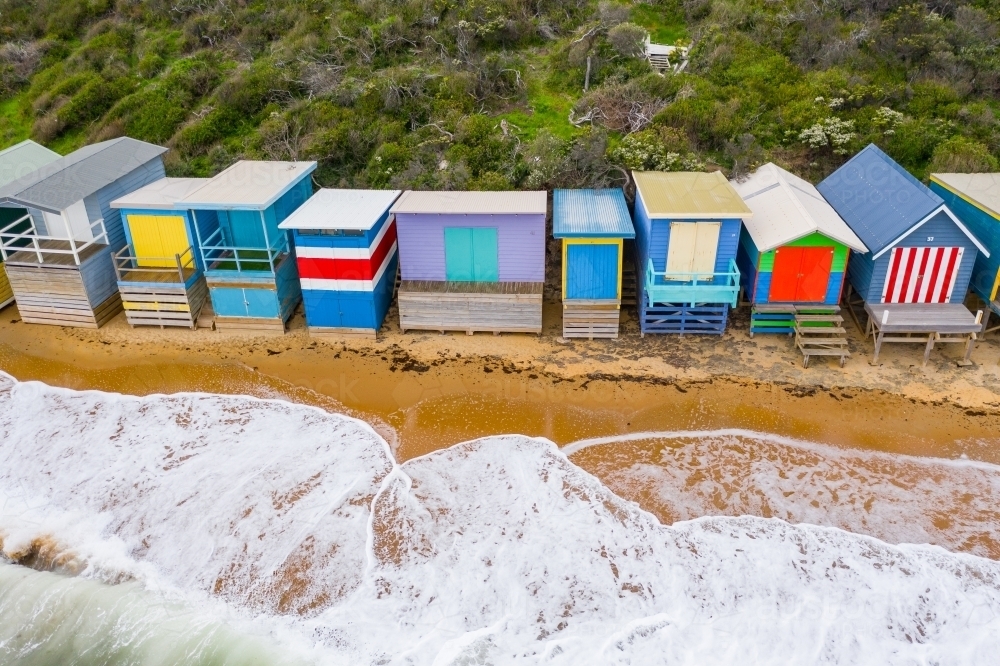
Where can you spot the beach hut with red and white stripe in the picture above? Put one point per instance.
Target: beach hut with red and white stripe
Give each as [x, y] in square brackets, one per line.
[346, 254]
[920, 252]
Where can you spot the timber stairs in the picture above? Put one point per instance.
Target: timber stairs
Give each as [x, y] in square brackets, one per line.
[818, 329]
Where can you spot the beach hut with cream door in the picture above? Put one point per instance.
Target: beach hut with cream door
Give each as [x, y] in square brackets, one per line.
[345, 249]
[592, 225]
[16, 162]
[793, 260]
[60, 267]
[160, 272]
[975, 200]
[471, 261]
[249, 264]
[914, 279]
[687, 229]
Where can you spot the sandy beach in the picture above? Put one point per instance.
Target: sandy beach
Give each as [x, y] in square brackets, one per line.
[427, 387]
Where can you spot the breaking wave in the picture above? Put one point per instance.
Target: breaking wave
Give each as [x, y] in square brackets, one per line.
[294, 528]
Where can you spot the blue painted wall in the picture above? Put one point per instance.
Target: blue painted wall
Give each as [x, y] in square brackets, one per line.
[352, 309]
[868, 276]
[643, 231]
[275, 297]
[987, 229]
[360, 241]
[746, 260]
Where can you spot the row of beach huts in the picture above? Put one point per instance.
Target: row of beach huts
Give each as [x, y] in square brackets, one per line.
[103, 229]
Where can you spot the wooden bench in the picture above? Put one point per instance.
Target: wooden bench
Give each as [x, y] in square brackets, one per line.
[925, 323]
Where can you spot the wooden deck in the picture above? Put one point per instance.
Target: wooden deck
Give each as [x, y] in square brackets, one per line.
[928, 324]
[57, 296]
[163, 305]
[254, 325]
[28, 257]
[591, 319]
[497, 307]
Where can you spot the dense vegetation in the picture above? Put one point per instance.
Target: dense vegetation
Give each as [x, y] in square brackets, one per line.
[507, 93]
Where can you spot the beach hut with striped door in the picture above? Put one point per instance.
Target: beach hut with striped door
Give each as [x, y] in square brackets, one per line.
[60, 267]
[160, 271]
[593, 226]
[16, 162]
[920, 258]
[687, 230]
[346, 253]
[249, 262]
[793, 252]
[471, 261]
[975, 200]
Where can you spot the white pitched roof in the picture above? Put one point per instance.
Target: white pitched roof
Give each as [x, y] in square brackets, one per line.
[249, 185]
[341, 209]
[452, 203]
[787, 208]
[162, 194]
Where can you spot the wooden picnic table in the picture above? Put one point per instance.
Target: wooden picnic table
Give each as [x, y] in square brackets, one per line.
[928, 323]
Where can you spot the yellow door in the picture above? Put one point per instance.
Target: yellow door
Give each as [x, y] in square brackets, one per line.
[157, 238]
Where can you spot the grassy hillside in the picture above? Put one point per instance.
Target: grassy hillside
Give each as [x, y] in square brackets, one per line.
[481, 93]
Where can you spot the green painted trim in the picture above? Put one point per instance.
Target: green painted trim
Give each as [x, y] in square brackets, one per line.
[840, 252]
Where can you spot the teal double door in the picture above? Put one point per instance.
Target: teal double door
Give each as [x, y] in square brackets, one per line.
[471, 254]
[243, 302]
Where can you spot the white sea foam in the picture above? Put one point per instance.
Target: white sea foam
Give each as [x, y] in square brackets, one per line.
[491, 552]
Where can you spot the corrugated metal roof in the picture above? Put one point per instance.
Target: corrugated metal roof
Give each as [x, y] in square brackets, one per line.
[160, 195]
[877, 198]
[592, 213]
[342, 209]
[689, 195]
[787, 208]
[22, 159]
[452, 203]
[59, 184]
[981, 189]
[249, 185]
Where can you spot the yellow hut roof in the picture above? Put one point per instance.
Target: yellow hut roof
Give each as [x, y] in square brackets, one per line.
[980, 189]
[689, 195]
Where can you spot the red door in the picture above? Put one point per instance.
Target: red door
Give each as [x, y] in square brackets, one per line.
[800, 274]
[922, 274]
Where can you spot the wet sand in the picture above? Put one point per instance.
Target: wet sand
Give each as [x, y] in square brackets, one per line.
[428, 391]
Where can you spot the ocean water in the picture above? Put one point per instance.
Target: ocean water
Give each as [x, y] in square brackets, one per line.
[217, 529]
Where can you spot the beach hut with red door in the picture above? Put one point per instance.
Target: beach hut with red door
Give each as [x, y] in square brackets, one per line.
[916, 275]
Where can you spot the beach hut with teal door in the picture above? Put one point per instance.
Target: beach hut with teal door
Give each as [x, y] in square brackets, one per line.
[17, 161]
[248, 261]
[793, 252]
[975, 200]
[160, 271]
[593, 226]
[471, 261]
[687, 229]
[345, 250]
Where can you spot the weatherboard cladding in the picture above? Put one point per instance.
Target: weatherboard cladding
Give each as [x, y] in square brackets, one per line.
[471, 203]
[877, 198]
[22, 159]
[136, 178]
[89, 170]
[756, 267]
[986, 228]
[520, 241]
[867, 276]
[351, 309]
[591, 214]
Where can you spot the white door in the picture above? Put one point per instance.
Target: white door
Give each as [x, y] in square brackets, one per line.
[692, 249]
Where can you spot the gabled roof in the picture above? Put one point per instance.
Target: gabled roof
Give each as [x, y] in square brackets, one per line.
[591, 213]
[357, 210]
[248, 185]
[980, 189]
[879, 200]
[23, 158]
[689, 195]
[787, 208]
[162, 194]
[472, 203]
[61, 183]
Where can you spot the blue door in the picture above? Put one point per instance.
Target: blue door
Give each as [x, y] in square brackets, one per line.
[592, 271]
[261, 303]
[237, 302]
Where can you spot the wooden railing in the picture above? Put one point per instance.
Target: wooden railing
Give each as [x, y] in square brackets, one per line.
[663, 287]
[29, 240]
[127, 267]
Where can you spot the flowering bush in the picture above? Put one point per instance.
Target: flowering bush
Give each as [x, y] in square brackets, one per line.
[832, 132]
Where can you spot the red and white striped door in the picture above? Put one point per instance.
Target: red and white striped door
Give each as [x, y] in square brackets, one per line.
[922, 274]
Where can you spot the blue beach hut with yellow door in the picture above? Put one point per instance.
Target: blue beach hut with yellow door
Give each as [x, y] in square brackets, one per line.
[593, 226]
[249, 262]
[160, 270]
[687, 229]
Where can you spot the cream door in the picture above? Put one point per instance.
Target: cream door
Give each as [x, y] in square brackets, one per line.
[692, 249]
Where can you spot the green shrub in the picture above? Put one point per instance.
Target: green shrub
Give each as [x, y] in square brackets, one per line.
[962, 155]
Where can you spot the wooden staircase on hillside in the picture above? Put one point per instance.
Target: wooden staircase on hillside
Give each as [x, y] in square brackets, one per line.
[819, 331]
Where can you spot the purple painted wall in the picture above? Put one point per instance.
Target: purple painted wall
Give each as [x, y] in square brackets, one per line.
[521, 241]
